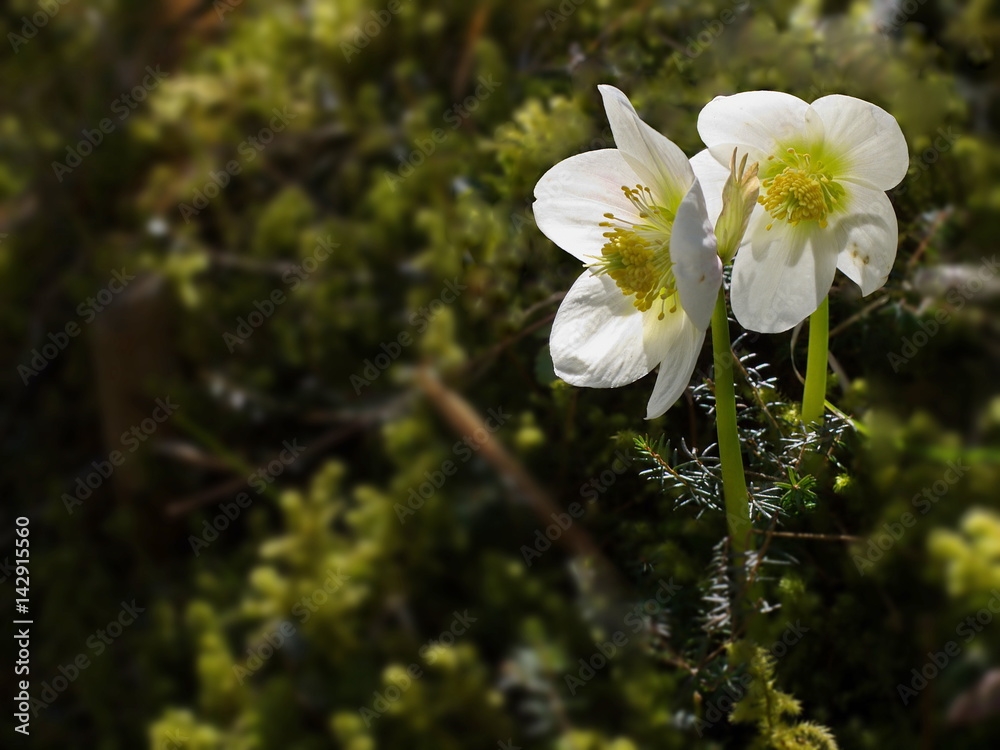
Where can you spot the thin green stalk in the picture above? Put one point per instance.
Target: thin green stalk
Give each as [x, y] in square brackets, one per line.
[814, 397]
[734, 484]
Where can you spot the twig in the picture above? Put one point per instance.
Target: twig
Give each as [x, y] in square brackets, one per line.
[804, 535]
[859, 315]
[495, 350]
[756, 392]
[942, 215]
[465, 421]
[187, 504]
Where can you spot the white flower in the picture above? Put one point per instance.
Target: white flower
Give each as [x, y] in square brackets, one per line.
[824, 169]
[636, 217]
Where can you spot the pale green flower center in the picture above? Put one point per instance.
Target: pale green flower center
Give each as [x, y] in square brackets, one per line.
[804, 190]
[637, 254]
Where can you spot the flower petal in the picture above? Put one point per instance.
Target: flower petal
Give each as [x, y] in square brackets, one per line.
[868, 236]
[693, 251]
[685, 342]
[712, 175]
[759, 119]
[572, 198]
[869, 146]
[660, 164]
[783, 276]
[598, 337]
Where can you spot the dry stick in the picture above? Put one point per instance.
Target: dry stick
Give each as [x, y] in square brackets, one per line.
[806, 535]
[554, 297]
[942, 215]
[465, 421]
[192, 455]
[475, 31]
[194, 501]
[495, 350]
[859, 315]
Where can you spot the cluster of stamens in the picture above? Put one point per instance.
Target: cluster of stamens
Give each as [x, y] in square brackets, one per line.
[637, 255]
[802, 191]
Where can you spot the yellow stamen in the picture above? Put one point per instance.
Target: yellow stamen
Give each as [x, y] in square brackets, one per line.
[637, 255]
[802, 191]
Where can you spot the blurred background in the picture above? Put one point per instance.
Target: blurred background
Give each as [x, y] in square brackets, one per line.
[278, 404]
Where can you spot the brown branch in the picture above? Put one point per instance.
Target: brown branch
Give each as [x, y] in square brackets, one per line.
[495, 350]
[465, 421]
[463, 69]
[942, 216]
[189, 503]
[804, 535]
[859, 315]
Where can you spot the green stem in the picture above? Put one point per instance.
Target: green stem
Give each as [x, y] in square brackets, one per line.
[814, 398]
[734, 484]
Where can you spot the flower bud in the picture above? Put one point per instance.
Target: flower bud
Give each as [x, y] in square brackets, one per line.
[739, 197]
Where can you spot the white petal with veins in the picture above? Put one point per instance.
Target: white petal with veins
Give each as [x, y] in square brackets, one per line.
[597, 338]
[867, 139]
[572, 198]
[868, 236]
[660, 164]
[697, 267]
[783, 276]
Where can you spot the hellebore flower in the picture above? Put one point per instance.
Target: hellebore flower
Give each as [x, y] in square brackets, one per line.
[636, 217]
[824, 169]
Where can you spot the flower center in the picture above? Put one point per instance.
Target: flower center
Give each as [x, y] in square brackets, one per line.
[637, 254]
[802, 191]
